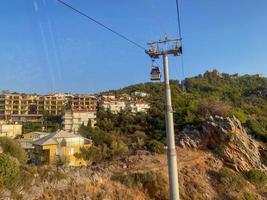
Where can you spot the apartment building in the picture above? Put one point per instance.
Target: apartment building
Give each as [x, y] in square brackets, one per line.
[53, 103]
[10, 130]
[115, 105]
[110, 102]
[73, 119]
[20, 107]
[24, 108]
[82, 102]
[138, 106]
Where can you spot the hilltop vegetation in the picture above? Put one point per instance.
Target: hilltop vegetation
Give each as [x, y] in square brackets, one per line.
[210, 94]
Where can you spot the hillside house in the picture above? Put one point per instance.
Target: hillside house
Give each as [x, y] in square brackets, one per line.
[60, 145]
[29, 138]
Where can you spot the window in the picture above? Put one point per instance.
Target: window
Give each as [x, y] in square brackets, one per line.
[58, 152]
[71, 152]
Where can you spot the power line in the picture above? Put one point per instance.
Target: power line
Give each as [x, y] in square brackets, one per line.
[101, 24]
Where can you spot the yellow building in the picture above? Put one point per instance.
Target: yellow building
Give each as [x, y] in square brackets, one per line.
[61, 144]
[82, 102]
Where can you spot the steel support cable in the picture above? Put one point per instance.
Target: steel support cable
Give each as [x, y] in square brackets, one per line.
[157, 19]
[180, 36]
[178, 19]
[101, 24]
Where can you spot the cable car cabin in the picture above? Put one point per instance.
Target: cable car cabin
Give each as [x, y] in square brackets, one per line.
[155, 74]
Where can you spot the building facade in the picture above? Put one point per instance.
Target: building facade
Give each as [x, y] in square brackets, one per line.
[139, 94]
[138, 106]
[60, 145]
[110, 102]
[20, 107]
[29, 138]
[24, 108]
[73, 119]
[123, 102]
[10, 130]
[82, 102]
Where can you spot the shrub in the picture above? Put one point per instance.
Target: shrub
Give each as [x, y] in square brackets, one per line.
[49, 174]
[59, 175]
[256, 176]
[16, 196]
[9, 169]
[13, 148]
[93, 153]
[257, 130]
[212, 106]
[240, 114]
[248, 196]
[14, 176]
[106, 146]
[106, 151]
[230, 181]
[155, 147]
[26, 176]
[97, 135]
[61, 161]
[118, 147]
[140, 142]
[151, 183]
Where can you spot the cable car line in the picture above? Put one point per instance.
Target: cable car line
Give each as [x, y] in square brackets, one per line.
[180, 35]
[178, 19]
[101, 24]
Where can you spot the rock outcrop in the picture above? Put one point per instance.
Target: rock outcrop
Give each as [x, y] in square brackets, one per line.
[228, 139]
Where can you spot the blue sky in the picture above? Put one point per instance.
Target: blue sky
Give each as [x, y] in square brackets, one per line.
[45, 47]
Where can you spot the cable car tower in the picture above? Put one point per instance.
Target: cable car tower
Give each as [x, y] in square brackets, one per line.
[157, 49]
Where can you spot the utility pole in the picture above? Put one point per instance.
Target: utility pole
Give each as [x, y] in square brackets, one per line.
[164, 48]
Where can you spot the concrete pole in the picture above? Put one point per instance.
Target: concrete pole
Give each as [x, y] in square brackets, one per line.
[171, 154]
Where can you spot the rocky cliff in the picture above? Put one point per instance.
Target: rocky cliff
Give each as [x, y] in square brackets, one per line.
[228, 140]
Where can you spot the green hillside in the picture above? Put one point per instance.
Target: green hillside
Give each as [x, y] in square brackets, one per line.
[210, 94]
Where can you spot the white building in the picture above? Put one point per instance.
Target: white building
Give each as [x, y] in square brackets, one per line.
[72, 120]
[114, 106]
[139, 94]
[110, 102]
[10, 130]
[123, 102]
[138, 106]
